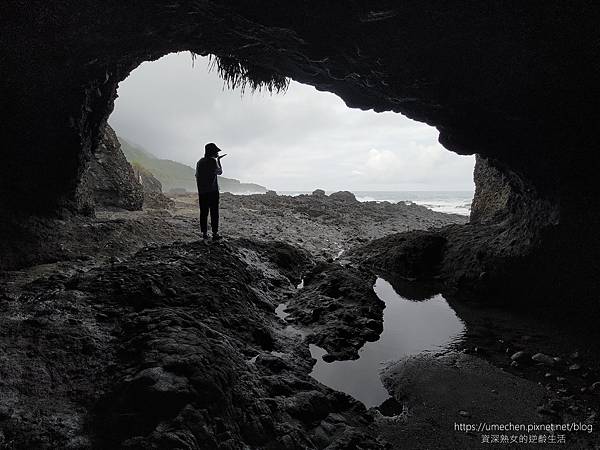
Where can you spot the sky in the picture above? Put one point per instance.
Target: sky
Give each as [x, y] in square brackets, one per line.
[298, 141]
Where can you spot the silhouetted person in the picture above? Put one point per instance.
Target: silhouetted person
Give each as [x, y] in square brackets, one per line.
[207, 170]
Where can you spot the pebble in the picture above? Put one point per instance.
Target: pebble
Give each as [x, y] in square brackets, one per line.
[548, 375]
[574, 367]
[544, 359]
[595, 387]
[561, 379]
[464, 413]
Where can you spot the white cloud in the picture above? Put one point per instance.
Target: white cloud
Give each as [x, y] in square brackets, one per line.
[298, 141]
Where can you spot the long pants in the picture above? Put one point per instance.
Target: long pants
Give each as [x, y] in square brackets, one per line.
[209, 201]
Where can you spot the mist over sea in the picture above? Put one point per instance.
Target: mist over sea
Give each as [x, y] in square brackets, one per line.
[451, 202]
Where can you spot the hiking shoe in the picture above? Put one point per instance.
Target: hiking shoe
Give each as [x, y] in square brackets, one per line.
[216, 237]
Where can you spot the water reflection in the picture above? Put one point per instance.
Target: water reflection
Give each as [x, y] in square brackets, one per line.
[408, 328]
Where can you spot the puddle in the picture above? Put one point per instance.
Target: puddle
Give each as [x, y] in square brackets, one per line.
[409, 327]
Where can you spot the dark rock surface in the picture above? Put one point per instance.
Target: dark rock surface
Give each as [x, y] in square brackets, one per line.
[320, 224]
[493, 193]
[339, 306]
[454, 389]
[111, 178]
[414, 255]
[164, 358]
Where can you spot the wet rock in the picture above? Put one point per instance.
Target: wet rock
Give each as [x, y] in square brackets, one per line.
[414, 255]
[328, 305]
[435, 389]
[543, 359]
[164, 371]
[520, 356]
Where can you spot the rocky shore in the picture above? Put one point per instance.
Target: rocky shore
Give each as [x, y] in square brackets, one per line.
[130, 332]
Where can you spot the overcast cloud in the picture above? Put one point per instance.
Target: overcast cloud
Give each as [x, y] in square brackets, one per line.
[301, 140]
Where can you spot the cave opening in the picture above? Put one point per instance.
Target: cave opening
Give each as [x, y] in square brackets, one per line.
[292, 142]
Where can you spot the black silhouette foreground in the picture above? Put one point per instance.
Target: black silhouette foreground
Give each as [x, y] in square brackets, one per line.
[207, 170]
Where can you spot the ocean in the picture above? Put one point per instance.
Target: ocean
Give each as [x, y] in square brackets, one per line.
[451, 202]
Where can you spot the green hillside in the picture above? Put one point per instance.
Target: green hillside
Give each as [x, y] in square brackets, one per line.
[174, 175]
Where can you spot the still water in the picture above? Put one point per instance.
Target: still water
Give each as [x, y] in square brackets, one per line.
[409, 327]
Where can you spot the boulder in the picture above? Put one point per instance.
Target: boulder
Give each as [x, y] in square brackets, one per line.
[109, 176]
[344, 196]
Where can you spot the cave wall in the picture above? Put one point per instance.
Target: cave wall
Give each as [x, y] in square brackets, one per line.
[493, 193]
[515, 82]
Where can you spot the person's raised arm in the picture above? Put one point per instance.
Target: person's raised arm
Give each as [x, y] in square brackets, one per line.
[219, 168]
